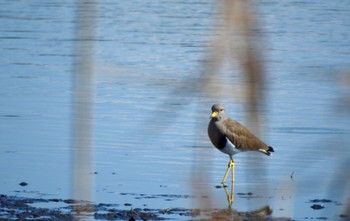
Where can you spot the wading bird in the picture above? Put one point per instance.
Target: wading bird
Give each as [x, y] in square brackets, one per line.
[230, 137]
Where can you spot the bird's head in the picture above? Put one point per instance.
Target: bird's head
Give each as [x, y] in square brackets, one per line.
[217, 111]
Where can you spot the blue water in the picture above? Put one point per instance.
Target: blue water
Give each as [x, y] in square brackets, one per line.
[150, 122]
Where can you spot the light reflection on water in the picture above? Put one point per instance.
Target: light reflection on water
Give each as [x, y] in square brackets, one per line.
[147, 139]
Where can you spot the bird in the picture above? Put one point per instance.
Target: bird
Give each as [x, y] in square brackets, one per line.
[231, 137]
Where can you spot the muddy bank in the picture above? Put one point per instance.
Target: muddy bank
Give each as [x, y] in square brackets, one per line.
[21, 208]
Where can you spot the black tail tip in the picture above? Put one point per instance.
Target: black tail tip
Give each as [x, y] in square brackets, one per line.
[268, 151]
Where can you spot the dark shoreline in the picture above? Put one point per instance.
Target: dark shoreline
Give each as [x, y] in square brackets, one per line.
[23, 208]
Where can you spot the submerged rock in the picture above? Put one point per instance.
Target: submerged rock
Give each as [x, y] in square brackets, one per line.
[23, 184]
[317, 206]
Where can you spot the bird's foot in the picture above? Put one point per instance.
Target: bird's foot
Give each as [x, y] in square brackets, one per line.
[224, 184]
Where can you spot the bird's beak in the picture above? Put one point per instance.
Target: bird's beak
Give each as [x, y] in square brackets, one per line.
[214, 114]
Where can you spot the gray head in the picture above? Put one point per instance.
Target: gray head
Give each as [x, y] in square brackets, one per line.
[217, 111]
[217, 108]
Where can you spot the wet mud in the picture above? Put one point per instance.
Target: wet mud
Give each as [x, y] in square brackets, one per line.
[23, 208]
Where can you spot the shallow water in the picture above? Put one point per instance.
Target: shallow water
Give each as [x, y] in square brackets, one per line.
[150, 125]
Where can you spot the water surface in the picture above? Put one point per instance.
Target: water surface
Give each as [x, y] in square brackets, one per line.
[150, 126]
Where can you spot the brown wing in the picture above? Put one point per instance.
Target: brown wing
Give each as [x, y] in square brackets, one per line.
[241, 137]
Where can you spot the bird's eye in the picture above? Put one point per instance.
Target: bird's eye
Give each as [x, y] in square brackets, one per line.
[221, 110]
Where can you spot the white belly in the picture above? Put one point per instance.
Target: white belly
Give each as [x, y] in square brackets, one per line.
[230, 148]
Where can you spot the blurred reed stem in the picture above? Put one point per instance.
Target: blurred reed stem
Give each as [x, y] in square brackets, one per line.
[82, 103]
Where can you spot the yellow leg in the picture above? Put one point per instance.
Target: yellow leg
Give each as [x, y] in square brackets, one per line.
[225, 176]
[232, 192]
[230, 165]
[233, 171]
[230, 196]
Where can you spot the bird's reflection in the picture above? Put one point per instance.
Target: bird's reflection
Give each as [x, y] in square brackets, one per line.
[229, 213]
[230, 195]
